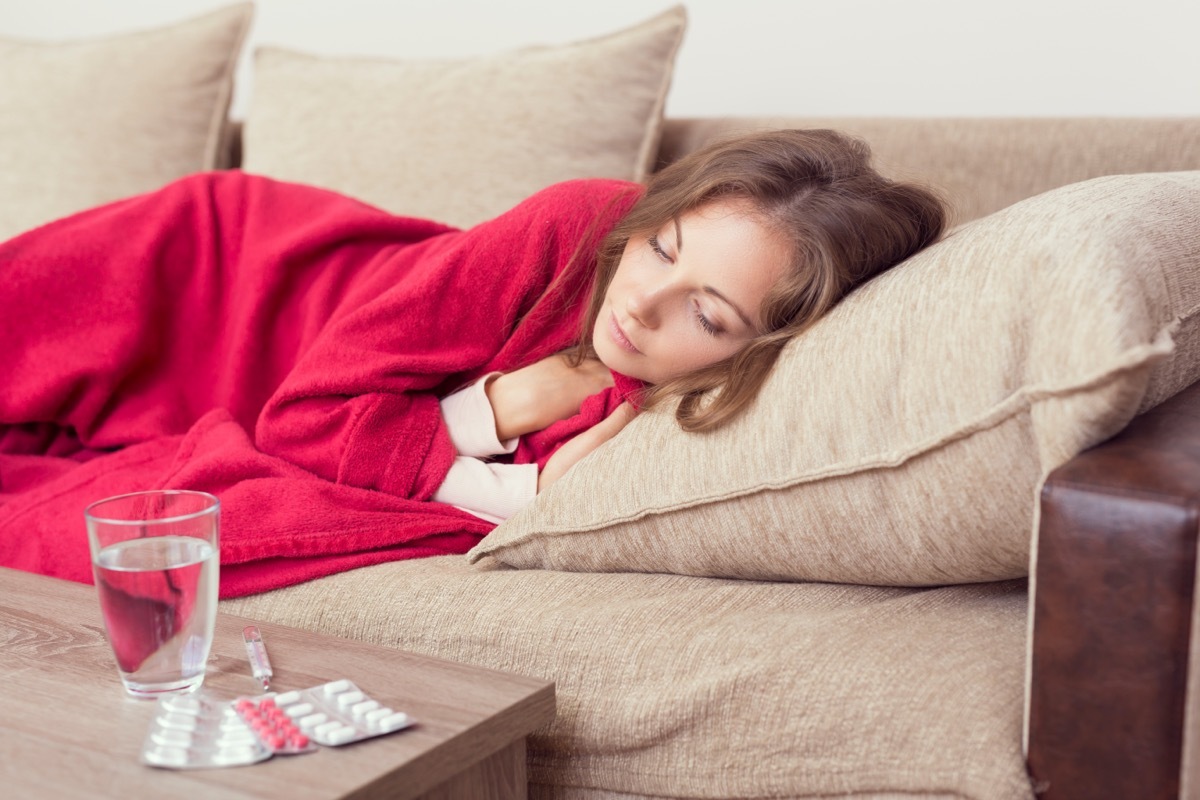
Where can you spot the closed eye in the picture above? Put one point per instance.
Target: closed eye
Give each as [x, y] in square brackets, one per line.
[657, 248]
[709, 327]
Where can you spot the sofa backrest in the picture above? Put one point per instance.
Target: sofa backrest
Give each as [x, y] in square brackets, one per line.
[981, 165]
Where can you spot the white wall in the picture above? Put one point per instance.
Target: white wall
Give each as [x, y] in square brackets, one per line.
[891, 57]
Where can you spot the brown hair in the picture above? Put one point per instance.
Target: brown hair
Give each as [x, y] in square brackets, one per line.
[845, 222]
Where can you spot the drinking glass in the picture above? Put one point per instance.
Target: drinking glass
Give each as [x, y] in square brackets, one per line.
[155, 559]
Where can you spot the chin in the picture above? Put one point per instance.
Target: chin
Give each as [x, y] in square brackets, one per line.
[616, 360]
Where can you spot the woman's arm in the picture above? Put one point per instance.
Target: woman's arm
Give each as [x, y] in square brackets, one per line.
[360, 407]
[573, 451]
[533, 397]
[493, 492]
[537, 395]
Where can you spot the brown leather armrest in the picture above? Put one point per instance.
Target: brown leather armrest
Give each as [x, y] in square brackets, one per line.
[1115, 576]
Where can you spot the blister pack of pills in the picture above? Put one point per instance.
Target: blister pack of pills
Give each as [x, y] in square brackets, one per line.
[273, 726]
[198, 731]
[338, 713]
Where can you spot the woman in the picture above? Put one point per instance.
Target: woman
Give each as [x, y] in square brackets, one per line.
[781, 225]
[287, 348]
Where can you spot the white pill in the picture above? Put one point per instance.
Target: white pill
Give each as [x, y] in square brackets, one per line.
[235, 755]
[172, 736]
[378, 714]
[350, 698]
[167, 756]
[235, 723]
[342, 735]
[286, 698]
[336, 686]
[232, 738]
[313, 719]
[358, 709]
[183, 722]
[325, 728]
[393, 723]
[299, 710]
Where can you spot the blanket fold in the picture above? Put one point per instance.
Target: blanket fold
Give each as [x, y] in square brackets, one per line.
[283, 347]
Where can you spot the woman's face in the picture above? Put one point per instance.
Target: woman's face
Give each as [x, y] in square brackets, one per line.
[688, 295]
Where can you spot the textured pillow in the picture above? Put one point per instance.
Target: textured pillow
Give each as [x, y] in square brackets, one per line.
[903, 440]
[462, 141]
[85, 122]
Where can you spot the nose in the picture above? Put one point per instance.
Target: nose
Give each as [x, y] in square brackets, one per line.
[645, 303]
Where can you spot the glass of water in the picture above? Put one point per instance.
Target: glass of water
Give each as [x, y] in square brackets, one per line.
[155, 560]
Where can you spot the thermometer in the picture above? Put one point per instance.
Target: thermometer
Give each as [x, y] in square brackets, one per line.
[260, 665]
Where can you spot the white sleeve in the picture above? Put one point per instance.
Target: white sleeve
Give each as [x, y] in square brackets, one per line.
[472, 423]
[493, 492]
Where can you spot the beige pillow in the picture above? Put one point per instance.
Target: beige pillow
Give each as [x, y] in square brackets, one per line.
[462, 141]
[903, 439]
[86, 122]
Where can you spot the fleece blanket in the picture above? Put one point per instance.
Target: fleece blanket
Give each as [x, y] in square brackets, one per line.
[282, 347]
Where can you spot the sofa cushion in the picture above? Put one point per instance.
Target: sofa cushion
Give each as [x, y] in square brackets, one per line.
[86, 122]
[670, 686]
[462, 141]
[903, 440]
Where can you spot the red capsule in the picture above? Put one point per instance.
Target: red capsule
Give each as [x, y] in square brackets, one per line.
[298, 740]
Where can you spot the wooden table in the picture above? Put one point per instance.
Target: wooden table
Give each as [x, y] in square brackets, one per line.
[67, 728]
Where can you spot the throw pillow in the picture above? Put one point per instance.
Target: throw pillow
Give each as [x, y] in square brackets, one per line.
[86, 122]
[462, 141]
[903, 440]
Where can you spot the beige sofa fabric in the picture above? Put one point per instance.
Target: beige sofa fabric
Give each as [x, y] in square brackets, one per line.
[86, 122]
[462, 141]
[981, 164]
[903, 439]
[692, 687]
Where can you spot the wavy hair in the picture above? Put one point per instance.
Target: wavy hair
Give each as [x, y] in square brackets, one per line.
[845, 223]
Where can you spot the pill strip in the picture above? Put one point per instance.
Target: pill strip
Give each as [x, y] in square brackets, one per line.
[338, 713]
[190, 732]
[198, 731]
[274, 728]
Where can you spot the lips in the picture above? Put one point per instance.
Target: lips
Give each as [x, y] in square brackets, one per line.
[618, 335]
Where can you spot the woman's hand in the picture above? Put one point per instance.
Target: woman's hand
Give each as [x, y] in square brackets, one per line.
[573, 451]
[533, 397]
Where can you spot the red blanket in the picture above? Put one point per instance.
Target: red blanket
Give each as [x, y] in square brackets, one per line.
[282, 347]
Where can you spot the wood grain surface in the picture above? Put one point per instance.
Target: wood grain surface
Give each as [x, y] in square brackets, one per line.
[67, 728]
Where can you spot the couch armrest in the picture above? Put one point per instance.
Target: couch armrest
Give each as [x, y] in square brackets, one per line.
[1112, 611]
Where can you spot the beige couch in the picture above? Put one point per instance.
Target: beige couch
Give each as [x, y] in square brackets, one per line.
[830, 598]
[681, 686]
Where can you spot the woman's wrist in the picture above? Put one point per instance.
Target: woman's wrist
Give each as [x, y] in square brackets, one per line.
[508, 407]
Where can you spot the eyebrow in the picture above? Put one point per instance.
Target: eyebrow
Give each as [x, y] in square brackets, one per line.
[710, 289]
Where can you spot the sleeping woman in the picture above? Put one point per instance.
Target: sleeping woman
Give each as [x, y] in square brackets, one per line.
[325, 366]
